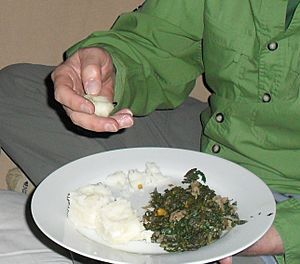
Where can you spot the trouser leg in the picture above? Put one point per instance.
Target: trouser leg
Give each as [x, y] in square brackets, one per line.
[39, 137]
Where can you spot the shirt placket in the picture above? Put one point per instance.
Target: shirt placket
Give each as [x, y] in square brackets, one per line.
[270, 59]
[270, 32]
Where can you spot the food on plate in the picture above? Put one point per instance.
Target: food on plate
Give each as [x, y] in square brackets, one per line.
[136, 179]
[105, 209]
[103, 107]
[85, 203]
[93, 207]
[188, 217]
[183, 217]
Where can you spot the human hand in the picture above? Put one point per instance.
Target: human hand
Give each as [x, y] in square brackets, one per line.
[270, 244]
[88, 71]
[227, 260]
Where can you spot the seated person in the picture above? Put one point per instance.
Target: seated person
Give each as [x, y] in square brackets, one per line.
[147, 64]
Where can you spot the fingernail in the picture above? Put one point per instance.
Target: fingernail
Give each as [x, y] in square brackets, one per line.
[110, 128]
[126, 111]
[126, 121]
[92, 87]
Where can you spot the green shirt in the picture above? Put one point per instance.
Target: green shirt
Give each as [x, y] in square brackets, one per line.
[252, 66]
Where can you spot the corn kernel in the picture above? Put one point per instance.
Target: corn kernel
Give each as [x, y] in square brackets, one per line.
[161, 212]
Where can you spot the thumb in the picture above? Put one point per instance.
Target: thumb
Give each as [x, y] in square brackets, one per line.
[93, 60]
[92, 81]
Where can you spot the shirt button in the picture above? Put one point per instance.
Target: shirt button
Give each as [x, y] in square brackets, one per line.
[216, 148]
[219, 117]
[272, 46]
[266, 98]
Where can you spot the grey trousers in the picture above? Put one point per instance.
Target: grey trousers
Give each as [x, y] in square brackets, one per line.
[36, 133]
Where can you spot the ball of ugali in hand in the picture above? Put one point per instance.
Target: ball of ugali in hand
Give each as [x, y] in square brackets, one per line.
[103, 107]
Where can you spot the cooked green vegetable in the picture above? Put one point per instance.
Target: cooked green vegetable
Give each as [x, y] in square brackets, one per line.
[188, 218]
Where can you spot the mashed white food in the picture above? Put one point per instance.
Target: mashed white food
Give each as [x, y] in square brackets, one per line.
[105, 208]
[103, 107]
[135, 179]
[86, 202]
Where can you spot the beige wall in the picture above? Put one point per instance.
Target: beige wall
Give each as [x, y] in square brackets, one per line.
[39, 31]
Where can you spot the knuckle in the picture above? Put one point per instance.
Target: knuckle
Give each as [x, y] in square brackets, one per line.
[57, 96]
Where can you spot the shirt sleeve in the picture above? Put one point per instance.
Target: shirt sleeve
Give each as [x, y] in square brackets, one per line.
[287, 223]
[156, 50]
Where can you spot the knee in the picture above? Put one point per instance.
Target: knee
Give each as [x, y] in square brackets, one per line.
[12, 69]
[9, 75]
[12, 78]
[24, 71]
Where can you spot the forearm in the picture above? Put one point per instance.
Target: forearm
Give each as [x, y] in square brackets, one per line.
[283, 239]
[157, 56]
[270, 244]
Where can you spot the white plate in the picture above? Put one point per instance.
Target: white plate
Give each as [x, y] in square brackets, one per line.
[255, 202]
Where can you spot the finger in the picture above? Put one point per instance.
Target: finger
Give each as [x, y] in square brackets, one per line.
[66, 94]
[124, 119]
[125, 111]
[96, 69]
[93, 122]
[68, 89]
[67, 75]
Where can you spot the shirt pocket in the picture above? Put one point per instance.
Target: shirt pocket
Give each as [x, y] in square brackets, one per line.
[226, 51]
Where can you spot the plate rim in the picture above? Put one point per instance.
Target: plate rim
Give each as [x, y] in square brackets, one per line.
[36, 193]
